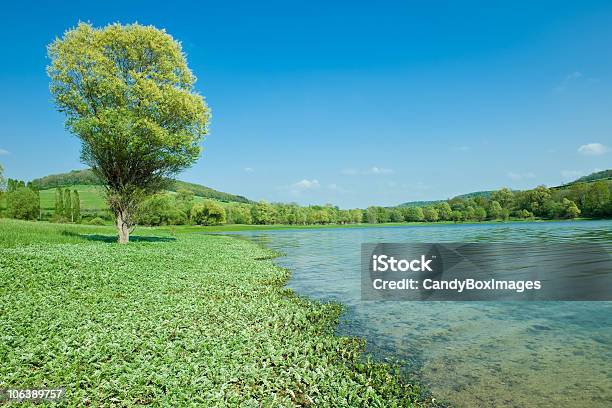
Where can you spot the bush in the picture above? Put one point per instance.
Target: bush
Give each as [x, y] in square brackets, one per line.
[96, 221]
[160, 209]
[208, 213]
[23, 204]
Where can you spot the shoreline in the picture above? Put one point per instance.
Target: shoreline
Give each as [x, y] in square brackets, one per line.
[272, 227]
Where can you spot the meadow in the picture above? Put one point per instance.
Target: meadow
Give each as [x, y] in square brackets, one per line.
[173, 320]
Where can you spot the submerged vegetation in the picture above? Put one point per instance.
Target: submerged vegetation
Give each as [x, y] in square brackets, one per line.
[172, 321]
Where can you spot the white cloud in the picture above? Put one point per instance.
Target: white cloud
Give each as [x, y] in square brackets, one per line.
[306, 184]
[463, 148]
[249, 169]
[567, 80]
[2, 152]
[301, 186]
[593, 149]
[374, 170]
[520, 176]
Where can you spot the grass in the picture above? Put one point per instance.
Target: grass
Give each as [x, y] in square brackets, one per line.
[194, 319]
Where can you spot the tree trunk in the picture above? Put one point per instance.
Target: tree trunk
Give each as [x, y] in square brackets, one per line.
[123, 229]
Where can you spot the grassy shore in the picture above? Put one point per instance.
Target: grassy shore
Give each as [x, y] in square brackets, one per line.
[172, 321]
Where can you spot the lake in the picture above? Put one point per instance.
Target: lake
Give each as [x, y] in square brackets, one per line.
[471, 354]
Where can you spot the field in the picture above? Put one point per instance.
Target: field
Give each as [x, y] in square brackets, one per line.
[172, 321]
[92, 198]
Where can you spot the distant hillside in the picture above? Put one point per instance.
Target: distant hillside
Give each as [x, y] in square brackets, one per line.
[605, 175]
[599, 175]
[86, 177]
[419, 203]
[433, 202]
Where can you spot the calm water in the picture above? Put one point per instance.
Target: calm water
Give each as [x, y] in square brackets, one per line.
[472, 354]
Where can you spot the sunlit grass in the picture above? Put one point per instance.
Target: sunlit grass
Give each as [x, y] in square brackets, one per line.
[194, 319]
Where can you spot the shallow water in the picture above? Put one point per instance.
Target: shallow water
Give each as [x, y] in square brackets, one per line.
[472, 354]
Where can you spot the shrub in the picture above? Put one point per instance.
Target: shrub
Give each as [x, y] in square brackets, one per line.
[96, 221]
[23, 204]
[208, 213]
[160, 209]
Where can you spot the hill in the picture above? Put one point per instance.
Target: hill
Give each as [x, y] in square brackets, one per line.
[598, 175]
[434, 202]
[82, 178]
[605, 175]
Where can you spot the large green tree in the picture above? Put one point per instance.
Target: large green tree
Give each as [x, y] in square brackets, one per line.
[129, 95]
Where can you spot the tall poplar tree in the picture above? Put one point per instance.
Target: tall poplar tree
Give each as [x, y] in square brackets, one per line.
[67, 205]
[59, 202]
[76, 207]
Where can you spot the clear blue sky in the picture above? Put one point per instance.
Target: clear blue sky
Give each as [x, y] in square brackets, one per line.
[350, 103]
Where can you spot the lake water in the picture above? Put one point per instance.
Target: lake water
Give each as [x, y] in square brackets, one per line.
[472, 354]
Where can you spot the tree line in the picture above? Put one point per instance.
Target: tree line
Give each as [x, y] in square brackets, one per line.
[591, 200]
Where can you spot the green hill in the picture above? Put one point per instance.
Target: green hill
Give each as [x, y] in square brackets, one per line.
[434, 202]
[605, 175]
[92, 189]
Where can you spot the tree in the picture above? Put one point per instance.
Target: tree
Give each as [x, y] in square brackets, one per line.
[372, 215]
[524, 214]
[456, 215]
[505, 197]
[480, 214]
[469, 213]
[535, 200]
[597, 197]
[68, 205]
[395, 215]
[59, 203]
[412, 214]
[239, 214]
[356, 216]
[495, 210]
[23, 204]
[159, 209]
[263, 213]
[430, 214]
[76, 207]
[208, 213]
[570, 209]
[129, 96]
[444, 211]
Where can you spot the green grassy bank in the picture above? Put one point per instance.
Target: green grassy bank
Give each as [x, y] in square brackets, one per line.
[172, 321]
